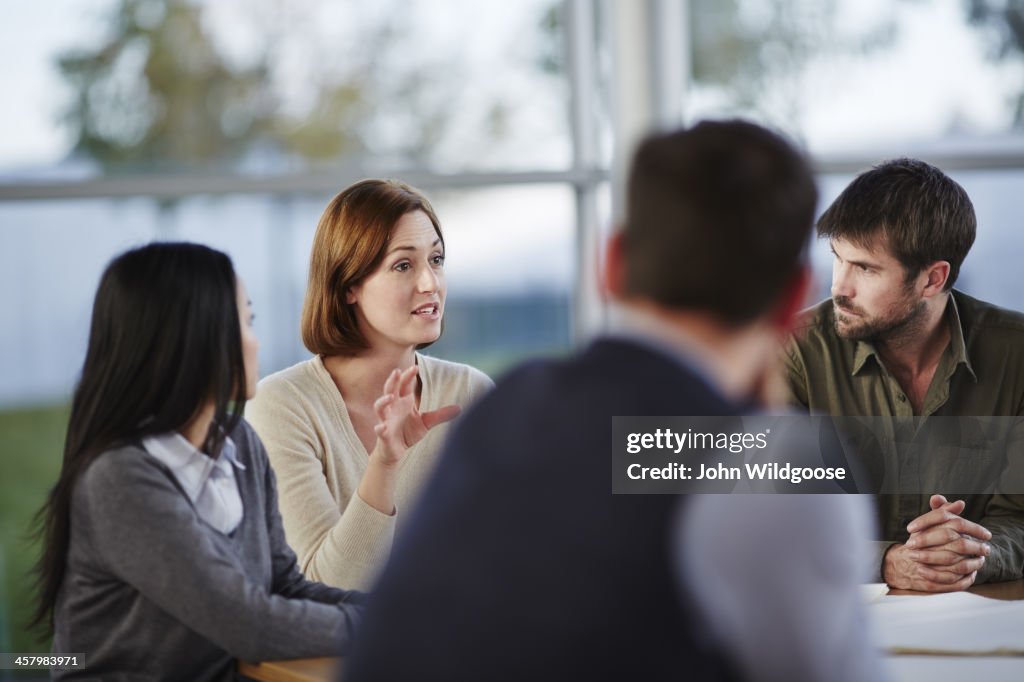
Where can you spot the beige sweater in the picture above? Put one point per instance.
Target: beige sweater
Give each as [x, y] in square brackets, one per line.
[319, 461]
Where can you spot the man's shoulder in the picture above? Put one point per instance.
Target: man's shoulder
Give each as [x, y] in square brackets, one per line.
[976, 314]
[609, 373]
[814, 334]
[818, 319]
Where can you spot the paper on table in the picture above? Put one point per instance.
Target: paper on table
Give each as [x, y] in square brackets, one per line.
[872, 592]
[959, 623]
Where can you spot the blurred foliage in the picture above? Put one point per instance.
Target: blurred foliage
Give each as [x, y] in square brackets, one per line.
[31, 447]
[753, 52]
[757, 51]
[160, 90]
[157, 88]
[551, 59]
[1004, 19]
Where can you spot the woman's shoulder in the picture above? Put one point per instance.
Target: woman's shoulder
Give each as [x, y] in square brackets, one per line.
[122, 475]
[299, 377]
[293, 392]
[456, 378]
[118, 465]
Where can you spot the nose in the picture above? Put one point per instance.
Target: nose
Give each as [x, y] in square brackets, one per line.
[841, 284]
[427, 281]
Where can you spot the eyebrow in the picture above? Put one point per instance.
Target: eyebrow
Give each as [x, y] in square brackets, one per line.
[411, 248]
[860, 263]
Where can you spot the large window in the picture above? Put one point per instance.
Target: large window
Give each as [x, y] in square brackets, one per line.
[233, 122]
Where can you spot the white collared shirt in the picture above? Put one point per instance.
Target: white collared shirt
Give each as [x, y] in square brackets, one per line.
[209, 483]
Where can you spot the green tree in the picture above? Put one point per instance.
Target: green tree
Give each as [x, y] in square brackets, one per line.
[757, 51]
[1004, 20]
[157, 91]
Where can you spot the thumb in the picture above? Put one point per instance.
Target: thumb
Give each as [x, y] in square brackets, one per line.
[937, 501]
[440, 416]
[956, 507]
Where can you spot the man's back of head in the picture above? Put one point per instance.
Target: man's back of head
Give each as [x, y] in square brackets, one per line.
[520, 563]
[718, 219]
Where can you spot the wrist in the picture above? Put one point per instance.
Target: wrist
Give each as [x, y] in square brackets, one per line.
[381, 457]
[887, 569]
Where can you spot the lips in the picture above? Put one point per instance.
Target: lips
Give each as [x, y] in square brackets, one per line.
[427, 310]
[844, 310]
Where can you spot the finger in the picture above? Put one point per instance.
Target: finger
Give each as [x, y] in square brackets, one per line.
[940, 558]
[967, 565]
[936, 501]
[965, 527]
[391, 382]
[937, 576]
[380, 405]
[960, 544]
[949, 562]
[407, 381]
[957, 586]
[440, 416]
[935, 536]
[933, 518]
[970, 546]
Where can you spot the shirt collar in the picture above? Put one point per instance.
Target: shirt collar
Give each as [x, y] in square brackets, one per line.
[189, 465]
[957, 344]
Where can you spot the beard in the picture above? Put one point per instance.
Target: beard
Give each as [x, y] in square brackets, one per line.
[903, 319]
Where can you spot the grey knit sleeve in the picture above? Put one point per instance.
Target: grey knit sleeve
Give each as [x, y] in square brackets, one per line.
[145, 533]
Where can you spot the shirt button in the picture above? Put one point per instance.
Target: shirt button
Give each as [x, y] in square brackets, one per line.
[902, 398]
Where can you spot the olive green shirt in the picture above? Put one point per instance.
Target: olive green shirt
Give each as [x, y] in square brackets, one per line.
[981, 373]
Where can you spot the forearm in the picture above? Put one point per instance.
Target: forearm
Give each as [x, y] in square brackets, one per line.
[190, 575]
[377, 487]
[349, 555]
[772, 602]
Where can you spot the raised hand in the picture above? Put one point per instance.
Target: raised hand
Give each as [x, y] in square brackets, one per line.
[400, 422]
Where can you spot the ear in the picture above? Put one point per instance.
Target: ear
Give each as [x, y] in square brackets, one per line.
[938, 275]
[351, 295]
[792, 300]
[613, 280]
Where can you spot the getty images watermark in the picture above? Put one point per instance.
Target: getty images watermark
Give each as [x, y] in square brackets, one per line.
[801, 454]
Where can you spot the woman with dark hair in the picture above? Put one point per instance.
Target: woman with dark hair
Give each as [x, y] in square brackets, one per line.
[163, 553]
[354, 431]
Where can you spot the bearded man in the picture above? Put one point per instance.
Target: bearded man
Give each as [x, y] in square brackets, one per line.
[896, 340]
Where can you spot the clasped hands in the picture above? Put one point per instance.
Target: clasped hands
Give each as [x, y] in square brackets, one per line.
[944, 551]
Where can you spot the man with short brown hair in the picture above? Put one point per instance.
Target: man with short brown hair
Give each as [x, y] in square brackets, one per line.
[896, 340]
[521, 563]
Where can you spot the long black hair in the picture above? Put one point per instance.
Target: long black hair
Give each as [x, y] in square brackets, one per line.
[164, 342]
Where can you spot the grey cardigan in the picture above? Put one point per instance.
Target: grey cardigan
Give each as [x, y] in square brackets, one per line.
[151, 592]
